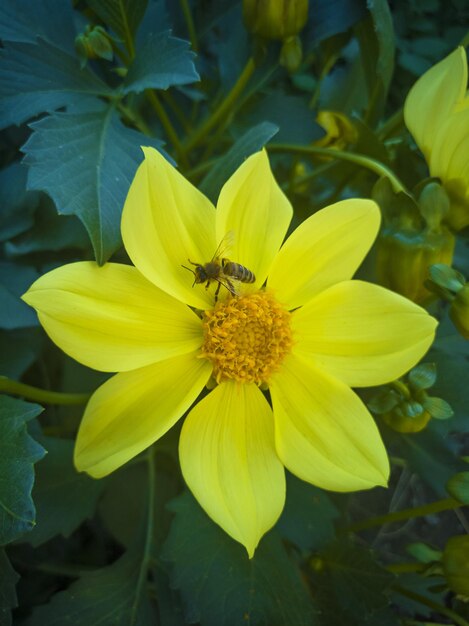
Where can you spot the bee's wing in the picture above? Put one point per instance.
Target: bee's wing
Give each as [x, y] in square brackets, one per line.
[225, 244]
[230, 283]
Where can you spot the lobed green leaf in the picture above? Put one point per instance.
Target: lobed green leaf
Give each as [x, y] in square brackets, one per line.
[42, 78]
[18, 453]
[162, 61]
[86, 162]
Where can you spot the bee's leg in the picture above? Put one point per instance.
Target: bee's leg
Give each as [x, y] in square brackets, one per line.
[230, 287]
[217, 291]
[207, 285]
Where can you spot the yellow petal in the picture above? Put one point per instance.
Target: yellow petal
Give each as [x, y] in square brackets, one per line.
[325, 249]
[362, 334]
[433, 97]
[229, 461]
[165, 222]
[253, 206]
[449, 158]
[111, 318]
[134, 409]
[323, 432]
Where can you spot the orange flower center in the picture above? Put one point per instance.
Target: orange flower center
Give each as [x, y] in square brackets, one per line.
[247, 338]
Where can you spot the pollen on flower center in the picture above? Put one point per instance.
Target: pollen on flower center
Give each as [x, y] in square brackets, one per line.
[247, 338]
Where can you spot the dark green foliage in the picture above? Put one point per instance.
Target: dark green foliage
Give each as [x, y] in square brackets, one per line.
[8, 578]
[351, 587]
[85, 162]
[251, 141]
[162, 61]
[93, 552]
[57, 81]
[111, 596]
[63, 497]
[18, 453]
[220, 586]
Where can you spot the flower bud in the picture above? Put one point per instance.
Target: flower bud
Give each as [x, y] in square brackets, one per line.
[405, 405]
[456, 564]
[275, 19]
[403, 259]
[340, 132]
[413, 238]
[459, 311]
[93, 43]
[291, 54]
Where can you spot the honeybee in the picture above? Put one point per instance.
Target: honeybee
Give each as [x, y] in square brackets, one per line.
[221, 270]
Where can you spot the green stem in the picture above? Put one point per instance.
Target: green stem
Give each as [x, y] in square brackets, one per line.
[359, 159]
[435, 606]
[135, 119]
[167, 125]
[189, 23]
[224, 107]
[401, 388]
[143, 573]
[398, 516]
[41, 395]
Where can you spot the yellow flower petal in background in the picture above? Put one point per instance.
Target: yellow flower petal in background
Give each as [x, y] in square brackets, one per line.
[229, 461]
[362, 334]
[449, 161]
[134, 409]
[323, 432]
[325, 249]
[111, 318]
[253, 206]
[433, 97]
[165, 222]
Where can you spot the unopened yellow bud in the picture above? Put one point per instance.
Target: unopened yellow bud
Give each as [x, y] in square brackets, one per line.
[403, 259]
[340, 132]
[275, 19]
[405, 423]
[459, 311]
[456, 564]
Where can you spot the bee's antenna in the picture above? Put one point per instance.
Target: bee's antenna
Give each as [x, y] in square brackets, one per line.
[190, 270]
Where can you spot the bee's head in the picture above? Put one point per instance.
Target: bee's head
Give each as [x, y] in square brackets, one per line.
[200, 275]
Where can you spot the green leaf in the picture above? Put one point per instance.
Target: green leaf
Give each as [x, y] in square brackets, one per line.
[423, 552]
[50, 232]
[308, 517]
[423, 376]
[51, 20]
[251, 141]
[16, 204]
[351, 587]
[295, 120]
[63, 497]
[163, 61]
[110, 596]
[438, 408]
[377, 46]
[458, 487]
[18, 453]
[430, 457]
[20, 348]
[123, 16]
[14, 281]
[41, 78]
[334, 16]
[8, 578]
[96, 156]
[423, 586]
[220, 586]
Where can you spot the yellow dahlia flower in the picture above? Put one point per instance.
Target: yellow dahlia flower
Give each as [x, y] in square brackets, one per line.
[310, 334]
[436, 112]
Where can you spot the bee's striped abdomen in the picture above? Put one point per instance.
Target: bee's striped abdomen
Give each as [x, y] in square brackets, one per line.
[238, 271]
